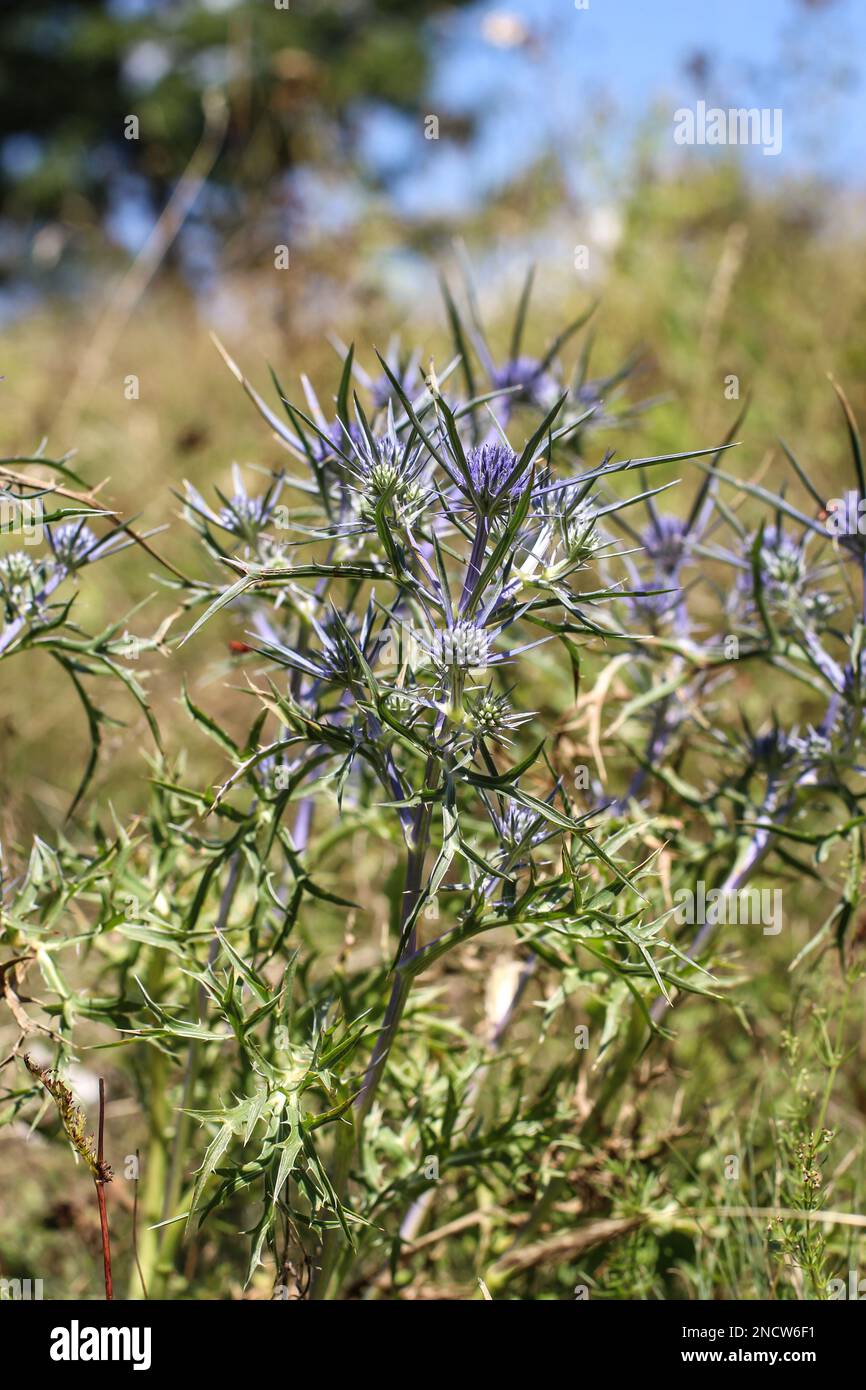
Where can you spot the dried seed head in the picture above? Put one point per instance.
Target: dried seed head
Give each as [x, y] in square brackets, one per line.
[72, 1117]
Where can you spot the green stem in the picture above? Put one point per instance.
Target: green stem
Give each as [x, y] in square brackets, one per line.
[165, 1159]
[332, 1244]
[155, 1168]
[836, 1059]
[349, 1134]
[402, 981]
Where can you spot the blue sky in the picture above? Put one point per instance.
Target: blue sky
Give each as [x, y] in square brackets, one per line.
[586, 81]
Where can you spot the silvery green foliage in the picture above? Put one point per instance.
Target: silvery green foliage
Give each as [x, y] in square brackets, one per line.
[425, 550]
[48, 545]
[446, 566]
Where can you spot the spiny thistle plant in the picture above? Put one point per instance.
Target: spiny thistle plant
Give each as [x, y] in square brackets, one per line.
[435, 563]
[491, 759]
[49, 514]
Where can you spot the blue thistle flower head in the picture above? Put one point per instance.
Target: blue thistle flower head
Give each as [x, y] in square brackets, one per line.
[563, 533]
[492, 470]
[667, 542]
[790, 584]
[464, 646]
[71, 544]
[21, 580]
[519, 832]
[772, 750]
[340, 637]
[342, 437]
[243, 515]
[654, 609]
[391, 476]
[538, 386]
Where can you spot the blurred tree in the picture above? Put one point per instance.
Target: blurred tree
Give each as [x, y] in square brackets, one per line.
[72, 73]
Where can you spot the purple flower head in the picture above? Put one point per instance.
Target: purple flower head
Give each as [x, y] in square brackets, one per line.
[341, 637]
[71, 544]
[465, 646]
[335, 655]
[772, 750]
[654, 608]
[244, 515]
[789, 583]
[382, 388]
[389, 477]
[341, 435]
[563, 532]
[20, 580]
[538, 386]
[494, 479]
[520, 831]
[782, 558]
[667, 542]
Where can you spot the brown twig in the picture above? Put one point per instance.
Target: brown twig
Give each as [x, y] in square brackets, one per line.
[562, 1247]
[90, 499]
